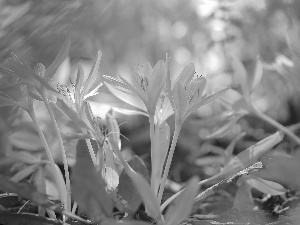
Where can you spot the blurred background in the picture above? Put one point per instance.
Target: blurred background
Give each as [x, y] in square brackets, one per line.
[131, 32]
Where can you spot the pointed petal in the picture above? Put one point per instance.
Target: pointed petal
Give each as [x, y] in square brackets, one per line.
[93, 75]
[28, 75]
[199, 85]
[186, 75]
[156, 83]
[79, 80]
[62, 55]
[130, 99]
[204, 101]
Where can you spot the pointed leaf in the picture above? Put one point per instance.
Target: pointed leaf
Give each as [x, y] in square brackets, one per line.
[24, 173]
[180, 209]
[224, 183]
[88, 187]
[127, 189]
[93, 75]
[149, 199]
[62, 55]
[265, 186]
[243, 199]
[251, 154]
[282, 169]
[204, 101]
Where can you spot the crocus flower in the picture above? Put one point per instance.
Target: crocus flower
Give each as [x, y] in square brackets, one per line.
[147, 84]
[186, 95]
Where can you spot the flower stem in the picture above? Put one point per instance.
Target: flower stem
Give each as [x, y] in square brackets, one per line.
[169, 160]
[60, 185]
[153, 184]
[64, 157]
[279, 126]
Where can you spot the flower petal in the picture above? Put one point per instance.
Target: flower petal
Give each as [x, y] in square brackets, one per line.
[62, 55]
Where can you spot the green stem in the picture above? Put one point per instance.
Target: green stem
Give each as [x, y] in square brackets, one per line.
[49, 155]
[169, 160]
[62, 149]
[153, 184]
[277, 125]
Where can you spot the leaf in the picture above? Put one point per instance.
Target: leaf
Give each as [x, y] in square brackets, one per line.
[265, 186]
[92, 76]
[62, 55]
[243, 199]
[127, 190]
[250, 155]
[180, 209]
[38, 181]
[283, 170]
[24, 173]
[240, 75]
[149, 199]
[25, 157]
[161, 143]
[26, 140]
[224, 183]
[88, 187]
[24, 190]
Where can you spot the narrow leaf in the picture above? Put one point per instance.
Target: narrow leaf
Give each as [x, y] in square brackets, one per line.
[147, 195]
[251, 154]
[127, 190]
[265, 186]
[180, 209]
[93, 75]
[224, 183]
[243, 199]
[88, 187]
[24, 173]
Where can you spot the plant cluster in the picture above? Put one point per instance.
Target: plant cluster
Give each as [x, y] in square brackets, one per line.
[103, 185]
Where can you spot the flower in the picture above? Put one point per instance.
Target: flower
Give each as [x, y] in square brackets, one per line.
[147, 84]
[186, 95]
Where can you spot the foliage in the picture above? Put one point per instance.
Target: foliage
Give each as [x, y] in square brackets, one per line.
[46, 123]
